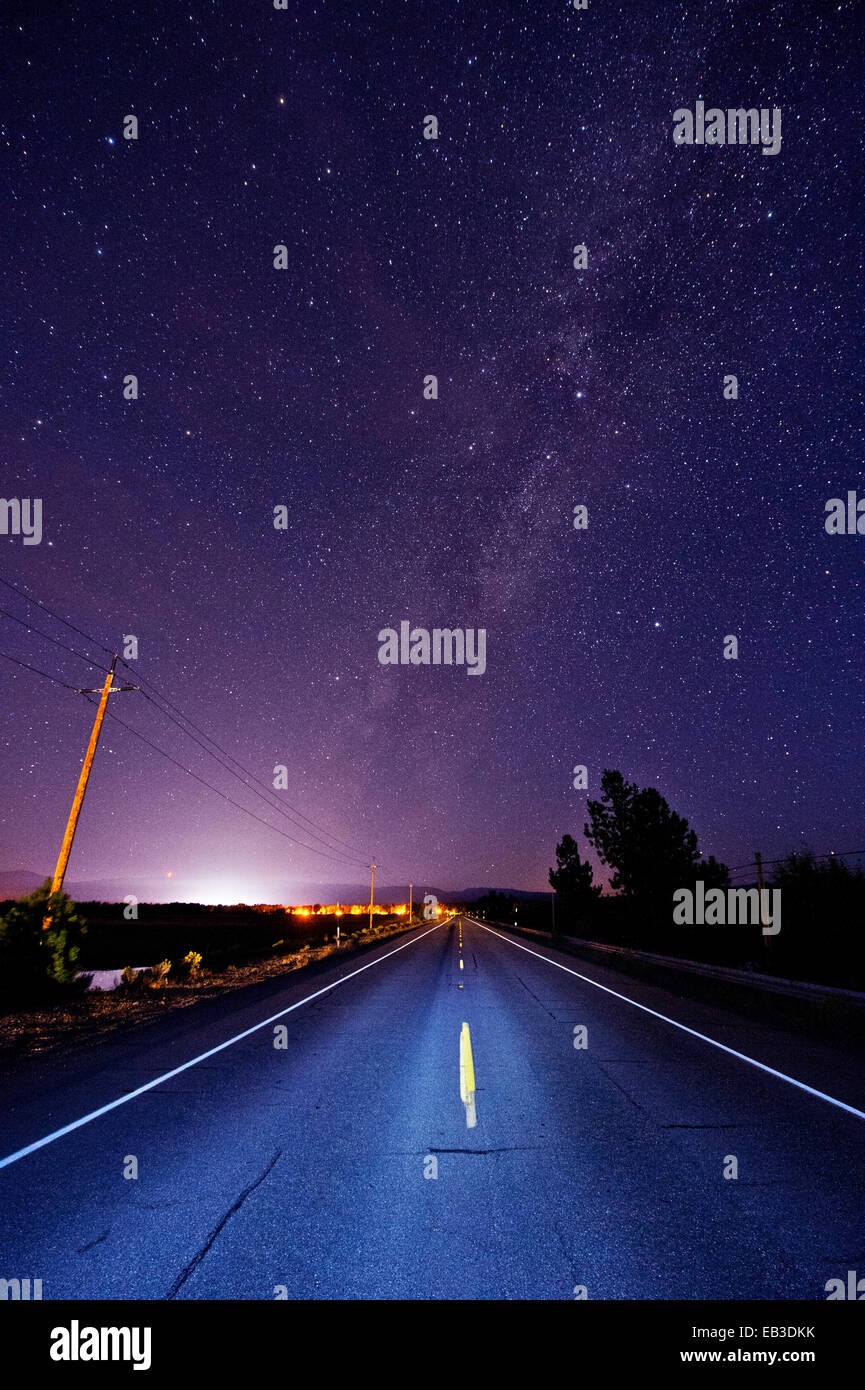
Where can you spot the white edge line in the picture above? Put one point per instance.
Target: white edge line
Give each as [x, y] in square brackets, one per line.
[131, 1095]
[743, 1057]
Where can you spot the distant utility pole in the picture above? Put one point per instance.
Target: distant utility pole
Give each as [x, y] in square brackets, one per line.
[71, 824]
[410, 887]
[758, 860]
[371, 891]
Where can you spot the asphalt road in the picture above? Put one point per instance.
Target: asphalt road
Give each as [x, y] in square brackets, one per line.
[303, 1168]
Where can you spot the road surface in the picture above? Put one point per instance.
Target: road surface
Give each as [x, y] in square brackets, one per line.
[343, 1165]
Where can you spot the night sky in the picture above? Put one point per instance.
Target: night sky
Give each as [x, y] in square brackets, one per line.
[304, 388]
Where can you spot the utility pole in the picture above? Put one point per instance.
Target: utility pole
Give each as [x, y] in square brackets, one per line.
[758, 859]
[410, 888]
[371, 891]
[71, 824]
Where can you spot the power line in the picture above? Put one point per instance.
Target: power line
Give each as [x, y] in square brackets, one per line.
[48, 638]
[27, 667]
[207, 750]
[830, 854]
[283, 809]
[230, 770]
[22, 593]
[202, 780]
[210, 787]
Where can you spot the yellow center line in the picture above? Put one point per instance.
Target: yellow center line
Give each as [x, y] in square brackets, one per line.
[467, 1077]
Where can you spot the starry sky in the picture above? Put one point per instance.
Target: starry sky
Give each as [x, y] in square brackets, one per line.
[303, 388]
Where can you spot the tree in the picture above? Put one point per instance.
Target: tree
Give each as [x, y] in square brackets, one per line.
[650, 848]
[803, 872]
[32, 959]
[824, 913]
[826, 890]
[495, 905]
[572, 880]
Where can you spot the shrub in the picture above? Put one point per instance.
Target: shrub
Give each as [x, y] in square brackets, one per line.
[192, 961]
[130, 977]
[33, 960]
[159, 974]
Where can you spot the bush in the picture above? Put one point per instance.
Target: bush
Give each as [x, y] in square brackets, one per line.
[159, 975]
[192, 963]
[130, 977]
[37, 961]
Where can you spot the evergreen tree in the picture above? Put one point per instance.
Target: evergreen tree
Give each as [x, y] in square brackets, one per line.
[650, 848]
[572, 880]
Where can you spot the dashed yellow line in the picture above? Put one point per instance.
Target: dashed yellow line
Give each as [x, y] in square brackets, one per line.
[467, 1077]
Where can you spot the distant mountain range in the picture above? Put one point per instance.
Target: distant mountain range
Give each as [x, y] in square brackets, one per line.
[15, 883]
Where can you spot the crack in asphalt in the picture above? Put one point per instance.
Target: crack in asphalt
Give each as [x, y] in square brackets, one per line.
[536, 999]
[511, 1149]
[97, 1241]
[196, 1260]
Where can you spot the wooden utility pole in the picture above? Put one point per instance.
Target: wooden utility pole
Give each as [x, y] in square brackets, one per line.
[71, 824]
[371, 891]
[758, 860]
